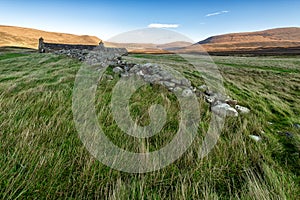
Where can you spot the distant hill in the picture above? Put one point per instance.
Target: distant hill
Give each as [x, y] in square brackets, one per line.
[174, 45]
[279, 34]
[282, 38]
[148, 47]
[27, 37]
[274, 41]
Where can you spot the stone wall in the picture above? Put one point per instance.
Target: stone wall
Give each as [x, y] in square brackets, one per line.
[80, 52]
[51, 47]
[221, 104]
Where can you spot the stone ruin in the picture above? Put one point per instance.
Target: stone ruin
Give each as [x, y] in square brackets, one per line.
[78, 51]
[155, 74]
[152, 73]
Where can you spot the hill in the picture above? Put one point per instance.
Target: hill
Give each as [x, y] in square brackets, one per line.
[282, 38]
[149, 47]
[279, 34]
[268, 42]
[27, 37]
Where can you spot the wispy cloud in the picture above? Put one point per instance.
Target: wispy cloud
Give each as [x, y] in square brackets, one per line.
[217, 13]
[163, 25]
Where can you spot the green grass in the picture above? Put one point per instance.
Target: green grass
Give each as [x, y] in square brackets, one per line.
[41, 155]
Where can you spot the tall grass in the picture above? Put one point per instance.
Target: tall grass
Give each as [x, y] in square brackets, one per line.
[41, 155]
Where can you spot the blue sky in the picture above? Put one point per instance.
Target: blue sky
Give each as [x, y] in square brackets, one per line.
[195, 19]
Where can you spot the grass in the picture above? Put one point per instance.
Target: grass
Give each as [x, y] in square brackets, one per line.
[42, 156]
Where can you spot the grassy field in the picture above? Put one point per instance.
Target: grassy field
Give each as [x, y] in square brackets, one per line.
[41, 155]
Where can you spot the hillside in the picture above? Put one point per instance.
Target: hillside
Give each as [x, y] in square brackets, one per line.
[278, 35]
[283, 38]
[269, 42]
[273, 41]
[27, 37]
[149, 47]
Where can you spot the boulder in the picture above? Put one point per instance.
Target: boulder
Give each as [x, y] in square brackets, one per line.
[187, 92]
[124, 75]
[140, 73]
[169, 84]
[165, 75]
[209, 99]
[177, 90]
[203, 88]
[231, 102]
[223, 109]
[176, 81]
[209, 93]
[242, 110]
[255, 138]
[185, 82]
[118, 70]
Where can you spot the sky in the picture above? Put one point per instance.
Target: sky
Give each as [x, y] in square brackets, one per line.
[196, 20]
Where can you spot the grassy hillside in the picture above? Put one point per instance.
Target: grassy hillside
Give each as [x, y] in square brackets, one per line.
[41, 155]
[278, 34]
[277, 39]
[27, 37]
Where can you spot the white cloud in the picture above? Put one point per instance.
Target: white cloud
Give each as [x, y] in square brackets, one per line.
[217, 13]
[163, 25]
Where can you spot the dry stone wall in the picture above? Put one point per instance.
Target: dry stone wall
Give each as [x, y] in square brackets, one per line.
[81, 52]
[151, 73]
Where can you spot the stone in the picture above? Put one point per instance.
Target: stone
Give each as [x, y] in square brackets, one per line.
[126, 67]
[255, 138]
[140, 73]
[199, 94]
[177, 90]
[185, 82]
[165, 75]
[169, 84]
[176, 81]
[209, 99]
[224, 109]
[109, 77]
[187, 92]
[287, 134]
[203, 88]
[118, 70]
[147, 77]
[155, 78]
[124, 75]
[209, 93]
[242, 110]
[151, 79]
[147, 65]
[297, 126]
[231, 102]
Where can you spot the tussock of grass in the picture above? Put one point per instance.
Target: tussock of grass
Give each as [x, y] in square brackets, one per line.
[42, 156]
